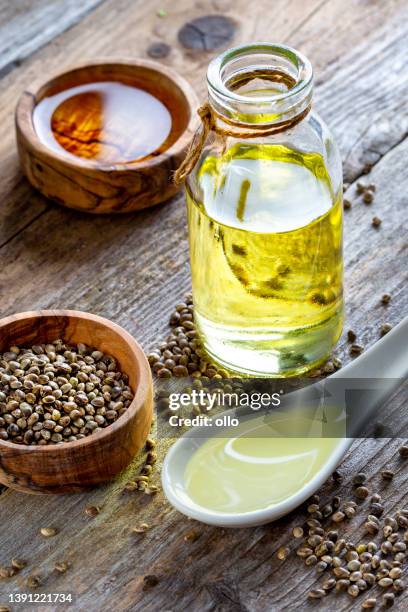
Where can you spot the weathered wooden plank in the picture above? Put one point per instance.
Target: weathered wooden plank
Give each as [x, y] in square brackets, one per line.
[361, 98]
[288, 21]
[229, 569]
[221, 569]
[133, 270]
[27, 25]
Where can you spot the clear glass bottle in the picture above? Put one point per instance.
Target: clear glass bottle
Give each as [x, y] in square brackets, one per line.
[265, 218]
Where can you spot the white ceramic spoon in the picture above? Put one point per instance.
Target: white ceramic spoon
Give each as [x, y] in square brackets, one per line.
[387, 360]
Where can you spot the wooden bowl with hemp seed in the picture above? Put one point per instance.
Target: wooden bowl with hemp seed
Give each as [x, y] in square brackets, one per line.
[76, 401]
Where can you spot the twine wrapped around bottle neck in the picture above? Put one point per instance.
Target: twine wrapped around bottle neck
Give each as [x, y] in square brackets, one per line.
[209, 123]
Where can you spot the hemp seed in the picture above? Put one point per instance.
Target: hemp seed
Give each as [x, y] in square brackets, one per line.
[48, 532]
[282, 553]
[56, 393]
[316, 594]
[369, 603]
[387, 474]
[403, 451]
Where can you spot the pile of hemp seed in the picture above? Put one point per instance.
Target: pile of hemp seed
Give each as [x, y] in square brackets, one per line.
[181, 354]
[55, 393]
[375, 561]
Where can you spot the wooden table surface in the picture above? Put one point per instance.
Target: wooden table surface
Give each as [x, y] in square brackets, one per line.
[133, 269]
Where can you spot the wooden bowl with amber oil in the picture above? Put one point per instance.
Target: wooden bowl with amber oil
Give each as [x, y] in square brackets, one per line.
[78, 465]
[106, 137]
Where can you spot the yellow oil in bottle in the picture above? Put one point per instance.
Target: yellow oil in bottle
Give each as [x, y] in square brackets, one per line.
[266, 259]
[106, 122]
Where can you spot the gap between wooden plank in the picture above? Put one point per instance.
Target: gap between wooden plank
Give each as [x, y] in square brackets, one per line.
[24, 227]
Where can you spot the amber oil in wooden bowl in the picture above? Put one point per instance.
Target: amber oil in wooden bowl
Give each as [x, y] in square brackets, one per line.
[107, 121]
[107, 137]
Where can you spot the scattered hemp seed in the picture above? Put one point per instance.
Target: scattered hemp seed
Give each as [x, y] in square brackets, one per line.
[131, 486]
[329, 584]
[371, 527]
[142, 528]
[151, 457]
[353, 590]
[33, 581]
[361, 492]
[376, 222]
[376, 509]
[316, 594]
[61, 567]
[48, 532]
[297, 532]
[304, 552]
[388, 599]
[398, 586]
[150, 581]
[337, 476]
[361, 187]
[4, 608]
[385, 328]
[403, 451]
[192, 535]
[92, 511]
[342, 584]
[369, 603]
[359, 478]
[346, 204]
[356, 349]
[385, 582]
[386, 298]
[351, 336]
[18, 564]
[282, 553]
[387, 474]
[368, 197]
[328, 368]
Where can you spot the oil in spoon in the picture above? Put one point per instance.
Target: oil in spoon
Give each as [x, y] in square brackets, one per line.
[250, 470]
[107, 122]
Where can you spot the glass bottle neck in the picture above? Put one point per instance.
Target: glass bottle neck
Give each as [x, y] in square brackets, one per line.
[261, 84]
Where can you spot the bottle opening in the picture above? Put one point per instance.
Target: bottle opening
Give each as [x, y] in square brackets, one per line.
[260, 83]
